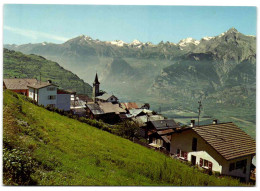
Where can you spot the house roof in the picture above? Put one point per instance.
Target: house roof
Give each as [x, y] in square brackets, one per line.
[136, 112]
[165, 132]
[129, 105]
[108, 107]
[144, 118]
[227, 139]
[164, 124]
[84, 98]
[94, 108]
[105, 96]
[18, 83]
[39, 85]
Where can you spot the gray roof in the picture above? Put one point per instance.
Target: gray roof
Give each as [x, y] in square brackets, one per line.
[135, 112]
[39, 85]
[144, 118]
[105, 96]
[108, 107]
[95, 109]
[18, 83]
[164, 124]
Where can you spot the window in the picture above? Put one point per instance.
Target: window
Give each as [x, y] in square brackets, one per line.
[51, 97]
[206, 164]
[241, 164]
[182, 154]
[194, 144]
[51, 88]
[231, 166]
[238, 165]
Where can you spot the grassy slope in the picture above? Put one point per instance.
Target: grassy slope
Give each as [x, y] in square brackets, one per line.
[72, 153]
[30, 66]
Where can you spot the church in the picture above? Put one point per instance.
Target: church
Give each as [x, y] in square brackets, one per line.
[102, 96]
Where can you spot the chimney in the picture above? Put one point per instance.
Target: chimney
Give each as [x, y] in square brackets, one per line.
[192, 123]
[49, 81]
[215, 121]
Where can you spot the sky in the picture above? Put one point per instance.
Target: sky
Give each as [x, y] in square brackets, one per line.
[59, 23]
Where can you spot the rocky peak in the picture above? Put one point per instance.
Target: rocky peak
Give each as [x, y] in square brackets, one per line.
[136, 42]
[186, 41]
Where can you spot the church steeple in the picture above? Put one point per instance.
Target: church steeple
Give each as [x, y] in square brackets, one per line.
[96, 80]
[95, 88]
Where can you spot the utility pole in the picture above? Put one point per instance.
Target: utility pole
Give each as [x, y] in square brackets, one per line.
[40, 77]
[199, 108]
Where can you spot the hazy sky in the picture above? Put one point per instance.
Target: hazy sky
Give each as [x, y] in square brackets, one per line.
[58, 23]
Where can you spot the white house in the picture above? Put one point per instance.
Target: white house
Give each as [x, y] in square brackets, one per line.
[64, 99]
[44, 93]
[222, 148]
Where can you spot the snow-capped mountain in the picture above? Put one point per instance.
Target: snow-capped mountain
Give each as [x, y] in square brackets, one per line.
[117, 42]
[187, 41]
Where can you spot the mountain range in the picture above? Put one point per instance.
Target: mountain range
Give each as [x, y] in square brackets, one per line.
[219, 70]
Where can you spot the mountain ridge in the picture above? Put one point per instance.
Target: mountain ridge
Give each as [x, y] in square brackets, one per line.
[167, 75]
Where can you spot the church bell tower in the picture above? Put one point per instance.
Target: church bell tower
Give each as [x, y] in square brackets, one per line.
[95, 88]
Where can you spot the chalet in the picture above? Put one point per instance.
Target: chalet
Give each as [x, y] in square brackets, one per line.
[159, 132]
[19, 85]
[93, 111]
[111, 111]
[44, 93]
[107, 98]
[219, 147]
[108, 107]
[105, 111]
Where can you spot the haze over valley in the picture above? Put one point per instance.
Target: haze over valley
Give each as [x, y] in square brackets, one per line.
[220, 71]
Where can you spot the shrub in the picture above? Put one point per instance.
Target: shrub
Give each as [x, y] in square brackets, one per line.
[17, 167]
[127, 129]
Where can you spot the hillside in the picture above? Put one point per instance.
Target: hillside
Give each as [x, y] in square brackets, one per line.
[45, 148]
[17, 64]
[219, 70]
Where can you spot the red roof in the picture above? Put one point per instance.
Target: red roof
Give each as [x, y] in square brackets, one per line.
[130, 105]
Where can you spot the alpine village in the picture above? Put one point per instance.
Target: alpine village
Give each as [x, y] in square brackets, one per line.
[215, 154]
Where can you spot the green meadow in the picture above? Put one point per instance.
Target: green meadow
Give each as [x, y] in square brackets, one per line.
[44, 148]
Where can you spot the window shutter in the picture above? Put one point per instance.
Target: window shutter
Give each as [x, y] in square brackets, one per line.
[210, 165]
[201, 162]
[185, 155]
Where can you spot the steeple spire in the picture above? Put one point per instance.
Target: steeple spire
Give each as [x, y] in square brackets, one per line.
[96, 80]
[95, 88]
